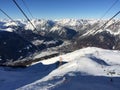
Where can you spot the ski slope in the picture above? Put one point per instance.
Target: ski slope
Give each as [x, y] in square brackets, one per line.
[85, 69]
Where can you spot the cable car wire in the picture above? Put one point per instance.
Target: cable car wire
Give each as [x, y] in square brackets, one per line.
[24, 14]
[6, 14]
[27, 8]
[109, 21]
[114, 3]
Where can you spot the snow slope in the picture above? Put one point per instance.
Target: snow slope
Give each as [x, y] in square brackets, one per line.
[86, 69]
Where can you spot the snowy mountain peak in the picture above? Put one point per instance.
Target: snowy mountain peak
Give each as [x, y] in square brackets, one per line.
[97, 65]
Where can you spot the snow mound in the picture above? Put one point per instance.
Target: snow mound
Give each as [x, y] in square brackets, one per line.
[89, 68]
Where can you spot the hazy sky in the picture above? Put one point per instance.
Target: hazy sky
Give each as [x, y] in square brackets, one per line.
[57, 9]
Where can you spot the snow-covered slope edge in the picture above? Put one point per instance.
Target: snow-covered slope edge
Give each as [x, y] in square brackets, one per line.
[94, 64]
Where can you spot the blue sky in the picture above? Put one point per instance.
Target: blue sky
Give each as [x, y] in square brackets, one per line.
[58, 9]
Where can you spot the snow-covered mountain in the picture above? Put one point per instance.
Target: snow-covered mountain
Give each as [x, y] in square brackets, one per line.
[78, 32]
[54, 25]
[89, 68]
[77, 25]
[84, 69]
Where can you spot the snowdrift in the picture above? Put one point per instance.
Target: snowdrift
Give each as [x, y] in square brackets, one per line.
[85, 69]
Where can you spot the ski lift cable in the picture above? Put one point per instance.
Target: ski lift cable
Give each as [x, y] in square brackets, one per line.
[27, 8]
[109, 20]
[114, 3]
[6, 14]
[24, 14]
[103, 26]
[109, 9]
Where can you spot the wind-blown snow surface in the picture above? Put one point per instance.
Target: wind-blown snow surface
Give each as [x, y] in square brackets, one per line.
[86, 69]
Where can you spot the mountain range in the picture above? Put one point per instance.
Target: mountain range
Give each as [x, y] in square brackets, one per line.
[64, 35]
